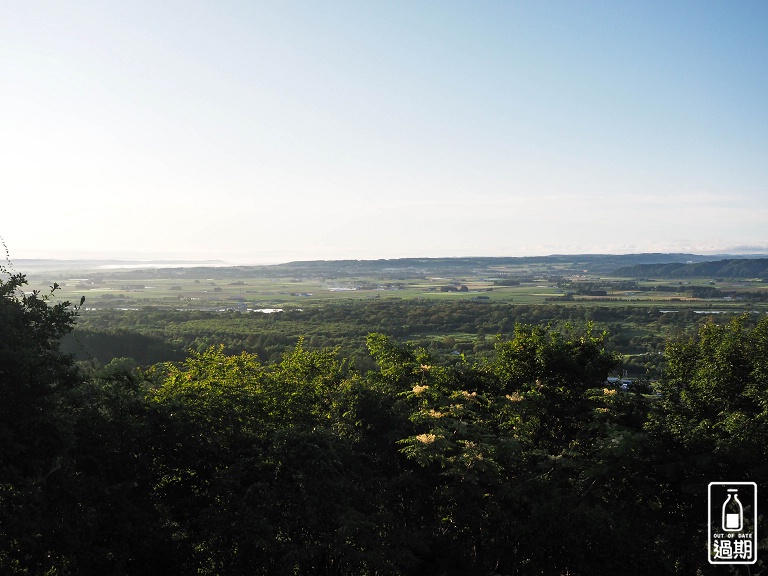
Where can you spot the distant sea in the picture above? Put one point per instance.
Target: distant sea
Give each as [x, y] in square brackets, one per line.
[44, 265]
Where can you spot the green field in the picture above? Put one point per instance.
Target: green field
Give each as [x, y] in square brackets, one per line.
[450, 306]
[219, 289]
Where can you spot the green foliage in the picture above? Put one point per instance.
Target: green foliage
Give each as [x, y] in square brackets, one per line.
[710, 423]
[152, 336]
[33, 436]
[550, 377]
[512, 444]
[715, 394]
[731, 268]
[261, 467]
[523, 461]
[218, 392]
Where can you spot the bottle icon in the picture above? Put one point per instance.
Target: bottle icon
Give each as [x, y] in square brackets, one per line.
[733, 512]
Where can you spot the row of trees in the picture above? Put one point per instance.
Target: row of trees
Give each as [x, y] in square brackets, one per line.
[525, 464]
[150, 336]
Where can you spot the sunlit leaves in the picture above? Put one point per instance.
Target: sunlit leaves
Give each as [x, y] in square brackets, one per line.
[716, 387]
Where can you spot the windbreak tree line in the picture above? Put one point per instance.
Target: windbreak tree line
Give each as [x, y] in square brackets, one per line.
[150, 336]
[526, 464]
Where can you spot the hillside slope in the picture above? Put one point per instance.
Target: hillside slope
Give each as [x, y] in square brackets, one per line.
[730, 268]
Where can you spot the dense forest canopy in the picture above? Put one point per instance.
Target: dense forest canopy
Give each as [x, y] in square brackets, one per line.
[727, 268]
[523, 460]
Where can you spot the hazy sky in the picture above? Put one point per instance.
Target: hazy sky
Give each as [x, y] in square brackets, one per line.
[271, 131]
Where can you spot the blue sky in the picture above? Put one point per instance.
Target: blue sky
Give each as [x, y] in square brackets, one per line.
[273, 131]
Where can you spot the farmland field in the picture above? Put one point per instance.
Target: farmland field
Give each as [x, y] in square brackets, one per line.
[268, 288]
[300, 375]
[449, 306]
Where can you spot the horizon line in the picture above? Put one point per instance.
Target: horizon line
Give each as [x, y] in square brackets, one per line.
[115, 263]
